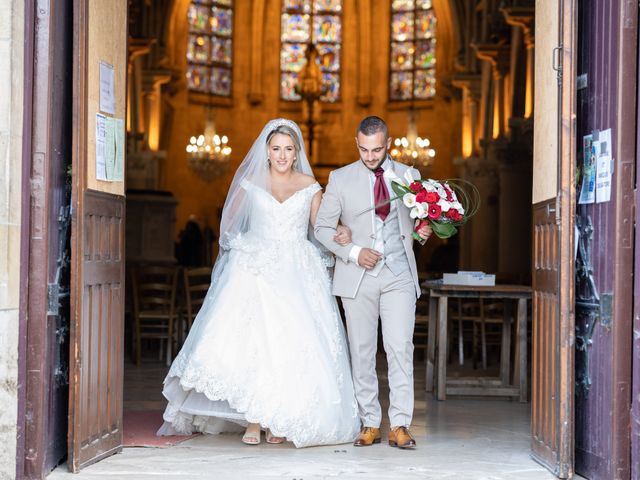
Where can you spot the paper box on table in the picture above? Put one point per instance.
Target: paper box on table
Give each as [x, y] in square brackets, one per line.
[469, 278]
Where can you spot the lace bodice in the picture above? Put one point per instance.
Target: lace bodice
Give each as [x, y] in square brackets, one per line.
[286, 221]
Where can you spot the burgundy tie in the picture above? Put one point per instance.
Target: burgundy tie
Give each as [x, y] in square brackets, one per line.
[381, 195]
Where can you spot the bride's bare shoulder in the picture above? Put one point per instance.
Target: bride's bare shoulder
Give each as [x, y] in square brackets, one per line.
[305, 180]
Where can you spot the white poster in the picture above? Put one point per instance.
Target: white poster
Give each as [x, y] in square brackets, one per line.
[107, 89]
[110, 148]
[603, 178]
[604, 167]
[101, 133]
[118, 173]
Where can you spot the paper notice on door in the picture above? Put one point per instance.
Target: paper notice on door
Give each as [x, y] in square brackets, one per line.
[118, 172]
[603, 178]
[588, 167]
[101, 132]
[107, 89]
[110, 148]
[604, 167]
[109, 167]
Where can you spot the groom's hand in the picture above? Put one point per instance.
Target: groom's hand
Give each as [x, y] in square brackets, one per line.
[368, 258]
[424, 231]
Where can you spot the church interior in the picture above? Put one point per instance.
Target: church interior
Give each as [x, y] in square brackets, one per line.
[452, 78]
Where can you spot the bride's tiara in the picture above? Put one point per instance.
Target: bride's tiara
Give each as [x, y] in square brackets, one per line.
[279, 122]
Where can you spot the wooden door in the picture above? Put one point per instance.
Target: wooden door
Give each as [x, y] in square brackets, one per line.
[635, 386]
[553, 257]
[48, 146]
[607, 46]
[97, 237]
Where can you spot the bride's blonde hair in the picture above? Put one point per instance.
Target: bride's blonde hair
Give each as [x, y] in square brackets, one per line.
[285, 130]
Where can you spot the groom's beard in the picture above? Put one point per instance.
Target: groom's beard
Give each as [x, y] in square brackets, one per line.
[376, 165]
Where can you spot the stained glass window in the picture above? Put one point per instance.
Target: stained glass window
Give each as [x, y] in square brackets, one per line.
[304, 22]
[412, 60]
[210, 46]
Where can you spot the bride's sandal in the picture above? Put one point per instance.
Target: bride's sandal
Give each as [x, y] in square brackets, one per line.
[271, 439]
[251, 437]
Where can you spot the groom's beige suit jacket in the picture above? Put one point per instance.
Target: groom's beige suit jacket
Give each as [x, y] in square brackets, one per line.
[349, 199]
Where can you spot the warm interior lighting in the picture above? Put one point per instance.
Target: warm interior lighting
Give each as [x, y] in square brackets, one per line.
[208, 153]
[412, 149]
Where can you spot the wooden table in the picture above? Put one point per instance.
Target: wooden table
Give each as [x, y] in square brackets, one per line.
[439, 295]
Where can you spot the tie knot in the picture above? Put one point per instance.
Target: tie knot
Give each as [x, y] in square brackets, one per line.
[379, 172]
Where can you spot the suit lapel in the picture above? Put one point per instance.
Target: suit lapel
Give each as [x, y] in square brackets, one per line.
[363, 204]
[400, 207]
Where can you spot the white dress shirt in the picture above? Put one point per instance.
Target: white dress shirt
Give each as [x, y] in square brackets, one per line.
[378, 222]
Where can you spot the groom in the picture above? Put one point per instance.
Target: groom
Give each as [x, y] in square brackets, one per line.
[376, 277]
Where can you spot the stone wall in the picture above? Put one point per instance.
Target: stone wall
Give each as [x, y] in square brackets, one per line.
[11, 96]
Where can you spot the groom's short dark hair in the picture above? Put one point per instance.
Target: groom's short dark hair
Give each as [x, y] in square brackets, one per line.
[372, 125]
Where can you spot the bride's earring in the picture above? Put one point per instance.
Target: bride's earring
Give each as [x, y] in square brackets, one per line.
[268, 162]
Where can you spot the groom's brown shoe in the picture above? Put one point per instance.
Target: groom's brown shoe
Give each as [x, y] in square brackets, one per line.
[401, 438]
[368, 436]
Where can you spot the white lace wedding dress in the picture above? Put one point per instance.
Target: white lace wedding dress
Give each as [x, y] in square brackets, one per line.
[268, 345]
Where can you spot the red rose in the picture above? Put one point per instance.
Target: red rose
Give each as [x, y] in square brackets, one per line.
[432, 197]
[421, 197]
[434, 211]
[454, 215]
[415, 187]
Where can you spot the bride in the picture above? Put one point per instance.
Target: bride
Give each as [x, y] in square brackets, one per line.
[267, 349]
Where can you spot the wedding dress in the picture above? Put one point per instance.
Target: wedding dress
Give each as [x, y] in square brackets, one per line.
[268, 345]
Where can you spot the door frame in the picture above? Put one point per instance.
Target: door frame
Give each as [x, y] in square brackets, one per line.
[566, 207]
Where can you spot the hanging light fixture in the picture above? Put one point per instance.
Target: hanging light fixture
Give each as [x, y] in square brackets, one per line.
[413, 149]
[208, 153]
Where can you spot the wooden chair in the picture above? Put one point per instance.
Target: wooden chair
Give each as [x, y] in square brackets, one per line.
[196, 285]
[463, 312]
[154, 307]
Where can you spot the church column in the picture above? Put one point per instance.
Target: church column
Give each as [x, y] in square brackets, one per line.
[524, 18]
[152, 81]
[498, 57]
[483, 171]
[469, 83]
[135, 111]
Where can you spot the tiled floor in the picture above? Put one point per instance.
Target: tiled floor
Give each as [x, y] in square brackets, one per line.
[457, 439]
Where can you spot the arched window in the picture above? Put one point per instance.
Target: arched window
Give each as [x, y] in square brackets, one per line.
[210, 46]
[412, 64]
[304, 22]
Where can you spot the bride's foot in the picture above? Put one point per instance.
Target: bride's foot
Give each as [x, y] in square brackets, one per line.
[252, 434]
[271, 439]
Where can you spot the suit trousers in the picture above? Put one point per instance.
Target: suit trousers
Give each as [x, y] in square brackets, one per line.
[392, 299]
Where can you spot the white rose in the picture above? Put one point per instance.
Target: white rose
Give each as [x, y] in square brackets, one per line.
[417, 211]
[444, 205]
[409, 200]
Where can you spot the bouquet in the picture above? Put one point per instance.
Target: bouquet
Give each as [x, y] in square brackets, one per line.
[444, 205]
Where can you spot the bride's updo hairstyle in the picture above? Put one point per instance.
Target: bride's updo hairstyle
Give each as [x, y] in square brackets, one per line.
[285, 130]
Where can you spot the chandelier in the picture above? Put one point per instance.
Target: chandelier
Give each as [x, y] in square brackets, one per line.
[412, 149]
[208, 153]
